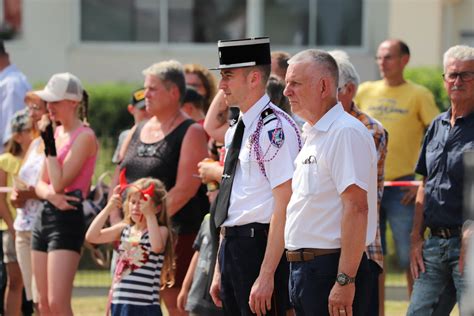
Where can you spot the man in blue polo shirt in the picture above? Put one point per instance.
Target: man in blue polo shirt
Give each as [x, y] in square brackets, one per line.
[439, 203]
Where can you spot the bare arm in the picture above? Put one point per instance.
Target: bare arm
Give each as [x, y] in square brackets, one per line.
[4, 209]
[416, 236]
[115, 215]
[353, 228]
[187, 282]
[262, 289]
[193, 150]
[157, 234]
[216, 280]
[23, 192]
[353, 235]
[96, 234]
[44, 192]
[18, 197]
[61, 176]
[215, 122]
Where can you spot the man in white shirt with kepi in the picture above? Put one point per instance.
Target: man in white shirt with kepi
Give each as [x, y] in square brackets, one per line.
[331, 216]
[251, 275]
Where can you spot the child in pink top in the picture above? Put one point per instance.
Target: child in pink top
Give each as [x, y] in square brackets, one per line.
[59, 231]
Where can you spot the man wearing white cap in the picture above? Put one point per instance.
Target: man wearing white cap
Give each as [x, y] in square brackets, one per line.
[251, 275]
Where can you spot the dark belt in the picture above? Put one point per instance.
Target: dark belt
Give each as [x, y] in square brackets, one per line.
[308, 254]
[446, 233]
[248, 230]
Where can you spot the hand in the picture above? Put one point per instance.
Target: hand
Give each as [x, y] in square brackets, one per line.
[341, 299]
[210, 171]
[260, 300]
[115, 202]
[43, 122]
[182, 299]
[15, 198]
[148, 207]
[215, 289]
[60, 201]
[416, 256]
[47, 134]
[19, 197]
[410, 195]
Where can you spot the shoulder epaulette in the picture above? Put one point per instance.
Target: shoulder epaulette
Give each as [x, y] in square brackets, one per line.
[268, 115]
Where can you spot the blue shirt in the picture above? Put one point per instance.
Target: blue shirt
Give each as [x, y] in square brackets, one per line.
[13, 87]
[441, 162]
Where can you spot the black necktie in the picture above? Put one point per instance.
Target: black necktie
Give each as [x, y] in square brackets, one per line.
[230, 163]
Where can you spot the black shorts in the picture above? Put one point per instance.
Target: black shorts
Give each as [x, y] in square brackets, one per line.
[55, 229]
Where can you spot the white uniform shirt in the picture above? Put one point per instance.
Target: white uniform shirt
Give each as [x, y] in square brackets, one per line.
[338, 152]
[13, 87]
[251, 200]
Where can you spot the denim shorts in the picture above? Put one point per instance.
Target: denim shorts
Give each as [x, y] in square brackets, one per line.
[55, 229]
[400, 218]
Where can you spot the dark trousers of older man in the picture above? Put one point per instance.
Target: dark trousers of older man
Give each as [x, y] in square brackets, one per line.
[240, 258]
[312, 281]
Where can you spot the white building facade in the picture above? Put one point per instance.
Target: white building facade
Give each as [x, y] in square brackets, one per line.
[113, 40]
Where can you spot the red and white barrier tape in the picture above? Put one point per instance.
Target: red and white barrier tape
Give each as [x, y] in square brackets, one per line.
[402, 183]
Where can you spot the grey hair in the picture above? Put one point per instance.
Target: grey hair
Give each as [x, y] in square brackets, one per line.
[458, 52]
[347, 71]
[319, 58]
[170, 72]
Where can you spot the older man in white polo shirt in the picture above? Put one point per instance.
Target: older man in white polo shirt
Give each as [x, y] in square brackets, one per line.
[331, 216]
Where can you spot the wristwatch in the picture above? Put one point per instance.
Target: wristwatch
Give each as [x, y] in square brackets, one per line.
[344, 279]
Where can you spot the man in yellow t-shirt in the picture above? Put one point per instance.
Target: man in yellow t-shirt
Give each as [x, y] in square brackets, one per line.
[405, 109]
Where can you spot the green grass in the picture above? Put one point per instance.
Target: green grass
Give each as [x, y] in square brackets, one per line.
[102, 278]
[89, 306]
[93, 278]
[399, 308]
[92, 306]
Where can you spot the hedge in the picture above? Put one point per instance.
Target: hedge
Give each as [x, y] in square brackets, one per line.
[430, 77]
[108, 114]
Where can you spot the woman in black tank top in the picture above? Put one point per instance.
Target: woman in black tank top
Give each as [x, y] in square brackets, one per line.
[168, 147]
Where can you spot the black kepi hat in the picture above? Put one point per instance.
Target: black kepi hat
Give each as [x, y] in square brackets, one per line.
[245, 52]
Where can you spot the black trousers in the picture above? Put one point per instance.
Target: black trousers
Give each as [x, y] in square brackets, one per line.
[374, 273]
[240, 259]
[311, 283]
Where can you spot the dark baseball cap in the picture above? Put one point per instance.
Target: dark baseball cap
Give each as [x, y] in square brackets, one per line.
[138, 98]
[192, 96]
